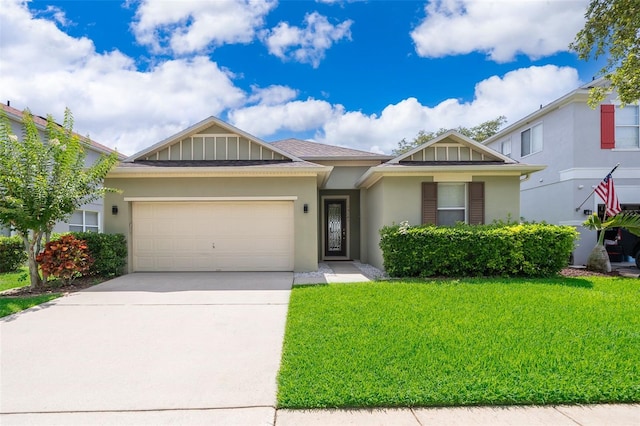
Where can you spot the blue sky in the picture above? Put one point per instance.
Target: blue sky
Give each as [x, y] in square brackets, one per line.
[363, 74]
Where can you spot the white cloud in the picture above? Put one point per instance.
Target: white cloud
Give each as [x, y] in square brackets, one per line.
[501, 29]
[184, 27]
[272, 95]
[297, 116]
[515, 95]
[308, 44]
[58, 15]
[45, 70]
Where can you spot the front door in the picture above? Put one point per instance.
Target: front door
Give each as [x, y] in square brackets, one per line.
[335, 227]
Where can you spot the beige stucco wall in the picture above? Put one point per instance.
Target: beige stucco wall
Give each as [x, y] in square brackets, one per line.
[373, 221]
[305, 188]
[344, 177]
[501, 198]
[393, 200]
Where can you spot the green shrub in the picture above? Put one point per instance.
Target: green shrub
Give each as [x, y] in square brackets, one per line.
[12, 254]
[476, 250]
[108, 250]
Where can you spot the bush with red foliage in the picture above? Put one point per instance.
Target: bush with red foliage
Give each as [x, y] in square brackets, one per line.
[65, 258]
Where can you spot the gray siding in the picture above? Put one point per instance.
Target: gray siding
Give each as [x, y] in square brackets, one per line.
[575, 165]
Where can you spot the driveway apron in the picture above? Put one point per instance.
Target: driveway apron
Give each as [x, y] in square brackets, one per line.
[188, 343]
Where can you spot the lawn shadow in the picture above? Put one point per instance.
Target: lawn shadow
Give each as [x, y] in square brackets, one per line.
[569, 282]
[35, 308]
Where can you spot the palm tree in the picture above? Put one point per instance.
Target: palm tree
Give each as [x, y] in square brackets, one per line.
[599, 259]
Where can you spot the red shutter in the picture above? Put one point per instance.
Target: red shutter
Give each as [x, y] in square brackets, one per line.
[607, 126]
[476, 203]
[430, 203]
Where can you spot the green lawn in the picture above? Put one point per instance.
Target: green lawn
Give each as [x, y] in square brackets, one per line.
[10, 280]
[11, 305]
[462, 342]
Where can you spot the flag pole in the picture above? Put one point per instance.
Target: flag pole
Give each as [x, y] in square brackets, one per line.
[594, 189]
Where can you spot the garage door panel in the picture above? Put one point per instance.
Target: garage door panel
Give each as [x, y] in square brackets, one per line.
[212, 236]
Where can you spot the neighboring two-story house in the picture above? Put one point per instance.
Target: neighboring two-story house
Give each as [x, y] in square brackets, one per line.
[91, 216]
[580, 146]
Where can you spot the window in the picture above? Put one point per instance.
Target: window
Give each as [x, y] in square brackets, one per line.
[627, 127]
[84, 221]
[505, 148]
[452, 203]
[531, 140]
[448, 202]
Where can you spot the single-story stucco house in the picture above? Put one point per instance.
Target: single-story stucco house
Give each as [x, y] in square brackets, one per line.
[215, 198]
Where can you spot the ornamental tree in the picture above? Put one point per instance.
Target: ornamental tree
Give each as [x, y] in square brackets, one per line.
[44, 182]
[612, 28]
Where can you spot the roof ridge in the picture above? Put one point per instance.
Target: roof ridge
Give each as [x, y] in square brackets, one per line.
[285, 145]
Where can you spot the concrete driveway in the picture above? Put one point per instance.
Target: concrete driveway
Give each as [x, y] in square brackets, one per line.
[148, 348]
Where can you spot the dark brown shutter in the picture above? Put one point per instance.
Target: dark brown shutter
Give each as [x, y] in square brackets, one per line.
[476, 203]
[607, 126]
[430, 202]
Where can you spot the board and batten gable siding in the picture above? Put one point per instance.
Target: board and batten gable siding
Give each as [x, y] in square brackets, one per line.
[447, 151]
[214, 146]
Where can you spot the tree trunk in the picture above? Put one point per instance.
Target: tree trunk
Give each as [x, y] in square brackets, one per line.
[599, 259]
[34, 274]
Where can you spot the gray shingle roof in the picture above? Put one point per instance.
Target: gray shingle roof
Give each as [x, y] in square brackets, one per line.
[320, 151]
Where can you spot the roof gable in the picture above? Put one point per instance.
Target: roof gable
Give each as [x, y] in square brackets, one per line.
[212, 140]
[454, 148]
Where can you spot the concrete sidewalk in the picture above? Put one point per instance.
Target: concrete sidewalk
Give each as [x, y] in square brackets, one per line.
[332, 272]
[584, 415]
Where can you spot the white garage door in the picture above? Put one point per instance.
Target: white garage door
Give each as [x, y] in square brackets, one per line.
[213, 236]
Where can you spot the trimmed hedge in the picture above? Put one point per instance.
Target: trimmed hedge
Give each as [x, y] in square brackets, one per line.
[476, 250]
[12, 254]
[108, 250]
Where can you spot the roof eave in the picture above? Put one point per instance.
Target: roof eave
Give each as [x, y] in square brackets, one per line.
[224, 171]
[374, 174]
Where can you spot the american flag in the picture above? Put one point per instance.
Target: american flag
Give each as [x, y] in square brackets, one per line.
[608, 194]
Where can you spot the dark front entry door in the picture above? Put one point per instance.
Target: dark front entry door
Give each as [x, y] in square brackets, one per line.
[335, 227]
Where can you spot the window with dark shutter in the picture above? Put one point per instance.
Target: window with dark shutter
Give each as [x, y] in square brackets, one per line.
[476, 203]
[607, 126]
[429, 202]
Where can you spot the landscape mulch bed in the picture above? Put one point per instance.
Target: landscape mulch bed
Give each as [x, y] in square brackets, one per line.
[54, 287]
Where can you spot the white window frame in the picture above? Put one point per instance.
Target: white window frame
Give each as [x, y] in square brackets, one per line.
[531, 148]
[466, 200]
[637, 108]
[505, 148]
[84, 225]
